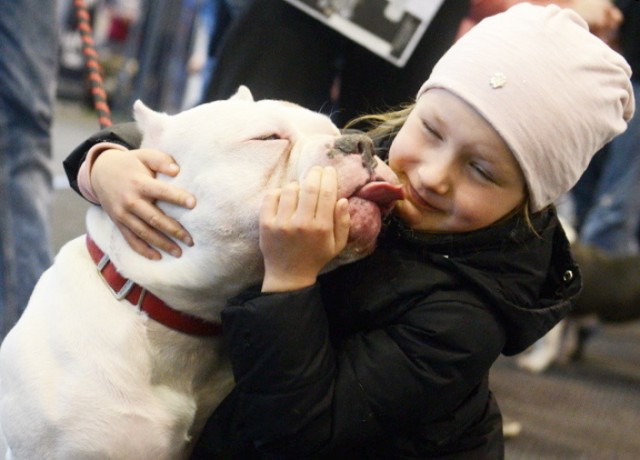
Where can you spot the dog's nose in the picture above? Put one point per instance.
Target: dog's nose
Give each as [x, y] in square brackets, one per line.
[358, 144]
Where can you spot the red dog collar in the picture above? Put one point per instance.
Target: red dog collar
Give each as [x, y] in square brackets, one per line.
[123, 288]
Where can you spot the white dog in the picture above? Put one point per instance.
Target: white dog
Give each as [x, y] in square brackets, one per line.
[86, 372]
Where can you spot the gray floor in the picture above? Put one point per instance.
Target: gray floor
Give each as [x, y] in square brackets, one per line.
[72, 124]
[589, 409]
[586, 410]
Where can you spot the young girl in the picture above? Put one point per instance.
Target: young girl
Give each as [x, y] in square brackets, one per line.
[389, 357]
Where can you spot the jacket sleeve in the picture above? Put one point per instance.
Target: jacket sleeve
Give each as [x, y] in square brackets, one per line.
[126, 134]
[299, 395]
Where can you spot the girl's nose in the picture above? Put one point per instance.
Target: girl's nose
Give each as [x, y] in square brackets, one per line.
[436, 175]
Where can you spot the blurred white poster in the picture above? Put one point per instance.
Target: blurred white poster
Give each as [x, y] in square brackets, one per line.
[388, 28]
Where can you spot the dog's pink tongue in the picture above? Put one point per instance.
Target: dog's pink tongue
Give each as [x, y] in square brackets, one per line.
[382, 193]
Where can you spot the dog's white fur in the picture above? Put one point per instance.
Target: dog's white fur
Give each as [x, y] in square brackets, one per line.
[84, 375]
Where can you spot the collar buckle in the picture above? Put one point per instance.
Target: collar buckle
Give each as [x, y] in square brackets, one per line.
[121, 293]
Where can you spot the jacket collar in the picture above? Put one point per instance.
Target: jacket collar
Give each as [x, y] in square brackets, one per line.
[530, 278]
[514, 231]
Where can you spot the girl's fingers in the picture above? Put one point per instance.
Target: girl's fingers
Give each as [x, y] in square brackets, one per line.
[315, 199]
[158, 161]
[342, 222]
[151, 236]
[309, 192]
[269, 208]
[327, 195]
[138, 245]
[159, 221]
[288, 202]
[162, 191]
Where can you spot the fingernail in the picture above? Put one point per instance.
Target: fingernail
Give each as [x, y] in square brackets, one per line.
[183, 236]
[190, 202]
[175, 252]
[174, 167]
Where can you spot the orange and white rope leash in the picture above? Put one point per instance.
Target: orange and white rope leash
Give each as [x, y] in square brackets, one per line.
[94, 70]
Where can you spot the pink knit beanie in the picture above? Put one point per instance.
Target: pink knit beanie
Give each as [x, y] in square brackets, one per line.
[553, 91]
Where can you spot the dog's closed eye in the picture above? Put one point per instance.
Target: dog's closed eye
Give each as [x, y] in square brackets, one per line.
[269, 137]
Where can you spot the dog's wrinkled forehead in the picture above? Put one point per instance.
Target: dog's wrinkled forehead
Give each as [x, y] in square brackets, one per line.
[302, 120]
[250, 119]
[269, 119]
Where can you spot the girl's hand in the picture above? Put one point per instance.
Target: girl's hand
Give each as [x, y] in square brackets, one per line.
[301, 229]
[125, 184]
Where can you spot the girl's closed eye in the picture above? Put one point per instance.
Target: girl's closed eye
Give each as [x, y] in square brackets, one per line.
[482, 171]
[431, 131]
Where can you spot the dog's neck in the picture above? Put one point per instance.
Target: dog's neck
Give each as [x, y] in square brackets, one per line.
[158, 310]
[199, 282]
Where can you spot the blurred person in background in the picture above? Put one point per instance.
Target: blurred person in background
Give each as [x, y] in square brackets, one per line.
[280, 52]
[604, 211]
[602, 16]
[28, 62]
[607, 197]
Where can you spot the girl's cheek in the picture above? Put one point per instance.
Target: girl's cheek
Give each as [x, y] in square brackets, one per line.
[393, 160]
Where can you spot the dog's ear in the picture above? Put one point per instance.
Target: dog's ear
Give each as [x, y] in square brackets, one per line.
[150, 122]
[243, 94]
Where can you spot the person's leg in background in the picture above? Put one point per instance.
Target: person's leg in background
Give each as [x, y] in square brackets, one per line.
[583, 195]
[612, 221]
[607, 214]
[608, 237]
[28, 63]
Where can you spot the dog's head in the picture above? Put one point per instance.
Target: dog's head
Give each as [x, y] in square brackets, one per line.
[230, 153]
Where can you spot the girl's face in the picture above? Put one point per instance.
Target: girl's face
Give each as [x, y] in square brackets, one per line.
[457, 172]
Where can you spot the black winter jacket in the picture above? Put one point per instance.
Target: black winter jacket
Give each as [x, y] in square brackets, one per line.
[389, 357]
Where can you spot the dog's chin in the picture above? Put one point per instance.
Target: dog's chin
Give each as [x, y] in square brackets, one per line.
[366, 222]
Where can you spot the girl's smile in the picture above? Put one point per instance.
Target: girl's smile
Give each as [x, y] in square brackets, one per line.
[420, 201]
[458, 173]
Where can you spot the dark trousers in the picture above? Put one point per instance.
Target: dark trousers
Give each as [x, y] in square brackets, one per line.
[280, 52]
